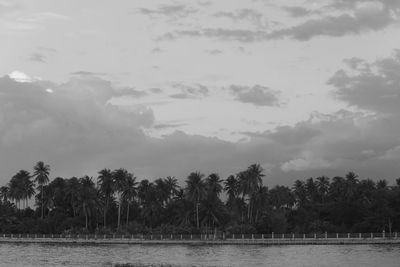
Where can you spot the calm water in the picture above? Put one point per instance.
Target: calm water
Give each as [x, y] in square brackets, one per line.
[179, 255]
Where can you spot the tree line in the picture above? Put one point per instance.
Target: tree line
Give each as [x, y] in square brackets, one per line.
[117, 202]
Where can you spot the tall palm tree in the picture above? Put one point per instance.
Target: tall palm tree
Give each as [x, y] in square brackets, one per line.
[249, 181]
[106, 188]
[119, 177]
[28, 188]
[20, 187]
[196, 191]
[129, 193]
[213, 183]
[172, 185]
[72, 194]
[41, 173]
[87, 197]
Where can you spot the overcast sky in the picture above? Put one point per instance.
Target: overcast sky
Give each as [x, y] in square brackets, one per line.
[303, 87]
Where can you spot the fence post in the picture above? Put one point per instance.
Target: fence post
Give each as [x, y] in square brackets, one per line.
[383, 233]
[262, 236]
[359, 235]
[348, 235]
[304, 236]
[337, 236]
[283, 236]
[292, 235]
[372, 235]
[326, 235]
[395, 235]
[242, 236]
[181, 236]
[252, 236]
[315, 236]
[272, 236]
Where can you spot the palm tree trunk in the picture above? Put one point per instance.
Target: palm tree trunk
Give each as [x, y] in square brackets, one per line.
[119, 214]
[105, 213]
[41, 193]
[127, 216]
[86, 219]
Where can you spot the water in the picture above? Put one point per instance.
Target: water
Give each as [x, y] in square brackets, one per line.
[186, 255]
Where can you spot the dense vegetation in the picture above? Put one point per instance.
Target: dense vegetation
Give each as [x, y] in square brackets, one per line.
[118, 202]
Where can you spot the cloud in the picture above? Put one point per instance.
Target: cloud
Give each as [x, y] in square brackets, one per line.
[306, 163]
[253, 16]
[298, 11]
[336, 26]
[214, 51]
[189, 91]
[37, 57]
[257, 95]
[370, 86]
[240, 35]
[173, 11]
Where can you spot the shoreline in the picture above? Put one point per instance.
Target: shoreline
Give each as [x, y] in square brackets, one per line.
[266, 242]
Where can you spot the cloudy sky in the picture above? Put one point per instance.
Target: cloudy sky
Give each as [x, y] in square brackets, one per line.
[303, 87]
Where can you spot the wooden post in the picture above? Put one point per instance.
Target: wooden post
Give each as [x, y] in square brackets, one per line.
[262, 236]
[348, 235]
[292, 235]
[272, 236]
[372, 235]
[326, 235]
[383, 233]
[304, 236]
[337, 236]
[242, 236]
[181, 236]
[252, 236]
[315, 236]
[359, 235]
[395, 235]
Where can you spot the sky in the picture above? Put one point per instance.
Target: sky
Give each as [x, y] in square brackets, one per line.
[162, 87]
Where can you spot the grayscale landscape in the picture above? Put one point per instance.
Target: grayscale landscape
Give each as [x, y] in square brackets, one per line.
[199, 133]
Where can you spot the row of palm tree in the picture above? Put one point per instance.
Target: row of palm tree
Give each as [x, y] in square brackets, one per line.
[340, 203]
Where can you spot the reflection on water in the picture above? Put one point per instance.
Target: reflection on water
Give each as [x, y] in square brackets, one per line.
[186, 255]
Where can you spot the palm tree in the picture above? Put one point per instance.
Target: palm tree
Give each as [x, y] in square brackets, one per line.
[172, 185]
[20, 187]
[213, 183]
[4, 193]
[41, 173]
[72, 194]
[196, 191]
[106, 188]
[129, 193]
[249, 181]
[87, 197]
[119, 177]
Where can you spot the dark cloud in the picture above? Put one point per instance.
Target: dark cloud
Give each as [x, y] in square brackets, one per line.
[257, 95]
[361, 21]
[371, 86]
[253, 16]
[174, 11]
[155, 90]
[87, 73]
[37, 57]
[240, 35]
[189, 91]
[161, 126]
[298, 11]
[214, 51]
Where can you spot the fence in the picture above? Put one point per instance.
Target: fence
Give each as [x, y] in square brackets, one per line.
[176, 237]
